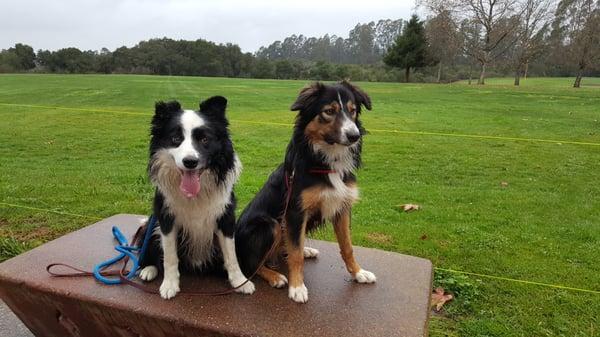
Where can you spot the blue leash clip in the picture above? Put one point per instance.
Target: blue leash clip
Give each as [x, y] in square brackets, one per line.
[124, 250]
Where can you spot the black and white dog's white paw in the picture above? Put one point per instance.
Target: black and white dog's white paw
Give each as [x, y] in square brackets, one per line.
[148, 274]
[169, 288]
[365, 276]
[248, 287]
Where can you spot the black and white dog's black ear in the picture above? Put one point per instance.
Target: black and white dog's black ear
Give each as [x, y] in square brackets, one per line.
[361, 97]
[214, 106]
[163, 111]
[308, 96]
[162, 108]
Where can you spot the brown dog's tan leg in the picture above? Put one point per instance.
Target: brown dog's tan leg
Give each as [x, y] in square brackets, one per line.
[341, 226]
[295, 259]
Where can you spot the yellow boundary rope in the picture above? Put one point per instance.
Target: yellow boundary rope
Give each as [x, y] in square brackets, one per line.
[421, 133]
[436, 268]
[50, 211]
[426, 133]
[556, 286]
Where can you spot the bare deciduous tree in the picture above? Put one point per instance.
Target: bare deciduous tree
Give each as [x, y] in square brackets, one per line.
[470, 34]
[443, 38]
[580, 19]
[495, 19]
[534, 23]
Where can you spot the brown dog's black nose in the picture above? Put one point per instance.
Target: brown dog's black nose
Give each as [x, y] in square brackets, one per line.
[353, 137]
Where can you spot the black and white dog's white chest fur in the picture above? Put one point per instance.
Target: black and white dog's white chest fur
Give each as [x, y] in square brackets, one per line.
[193, 167]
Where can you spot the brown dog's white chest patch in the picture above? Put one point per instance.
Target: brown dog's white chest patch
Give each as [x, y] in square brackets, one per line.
[329, 200]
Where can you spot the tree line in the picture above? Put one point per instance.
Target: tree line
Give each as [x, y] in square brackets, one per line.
[156, 56]
[366, 44]
[457, 39]
[552, 38]
[188, 58]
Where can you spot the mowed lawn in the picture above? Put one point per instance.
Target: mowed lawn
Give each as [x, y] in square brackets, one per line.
[508, 179]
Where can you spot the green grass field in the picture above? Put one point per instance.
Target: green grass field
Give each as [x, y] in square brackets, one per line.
[526, 209]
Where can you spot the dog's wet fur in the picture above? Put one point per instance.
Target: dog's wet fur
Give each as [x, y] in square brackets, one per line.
[327, 137]
[193, 166]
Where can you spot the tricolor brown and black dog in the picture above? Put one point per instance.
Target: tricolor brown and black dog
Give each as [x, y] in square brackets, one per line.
[322, 156]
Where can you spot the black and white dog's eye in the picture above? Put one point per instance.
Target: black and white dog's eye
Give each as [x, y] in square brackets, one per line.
[176, 139]
[204, 140]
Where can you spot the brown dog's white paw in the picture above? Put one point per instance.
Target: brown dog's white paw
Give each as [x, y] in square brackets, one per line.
[365, 276]
[310, 253]
[279, 282]
[298, 294]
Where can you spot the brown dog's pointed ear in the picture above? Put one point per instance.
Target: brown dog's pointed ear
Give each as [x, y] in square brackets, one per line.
[307, 96]
[359, 94]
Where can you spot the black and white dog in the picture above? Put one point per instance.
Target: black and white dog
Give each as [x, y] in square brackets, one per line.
[322, 156]
[193, 167]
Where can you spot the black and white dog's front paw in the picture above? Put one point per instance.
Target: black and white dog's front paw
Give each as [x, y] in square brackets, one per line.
[148, 273]
[247, 288]
[169, 288]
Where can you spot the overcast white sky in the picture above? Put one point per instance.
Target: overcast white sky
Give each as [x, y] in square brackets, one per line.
[93, 24]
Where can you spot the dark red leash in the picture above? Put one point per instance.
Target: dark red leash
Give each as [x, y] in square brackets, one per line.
[122, 273]
[321, 171]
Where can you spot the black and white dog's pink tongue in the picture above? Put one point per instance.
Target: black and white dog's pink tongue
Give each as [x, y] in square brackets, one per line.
[190, 183]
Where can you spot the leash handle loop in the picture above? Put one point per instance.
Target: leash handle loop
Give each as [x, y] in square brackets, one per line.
[119, 236]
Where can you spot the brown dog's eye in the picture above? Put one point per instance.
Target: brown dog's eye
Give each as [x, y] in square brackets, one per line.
[329, 111]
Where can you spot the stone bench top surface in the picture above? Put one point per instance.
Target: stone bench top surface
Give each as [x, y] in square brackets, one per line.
[397, 305]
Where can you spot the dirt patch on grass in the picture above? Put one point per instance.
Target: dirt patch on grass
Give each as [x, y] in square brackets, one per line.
[41, 233]
[379, 237]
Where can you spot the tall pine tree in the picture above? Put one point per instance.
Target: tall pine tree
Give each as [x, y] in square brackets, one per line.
[410, 48]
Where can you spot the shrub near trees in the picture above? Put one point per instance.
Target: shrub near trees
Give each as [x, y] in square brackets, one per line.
[19, 58]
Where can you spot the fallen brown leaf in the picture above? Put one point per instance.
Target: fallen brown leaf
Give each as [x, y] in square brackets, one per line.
[423, 237]
[438, 299]
[410, 207]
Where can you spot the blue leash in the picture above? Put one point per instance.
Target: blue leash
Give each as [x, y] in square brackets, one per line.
[124, 250]
[127, 251]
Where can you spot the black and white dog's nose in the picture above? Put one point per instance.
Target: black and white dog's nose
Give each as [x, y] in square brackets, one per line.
[353, 137]
[190, 162]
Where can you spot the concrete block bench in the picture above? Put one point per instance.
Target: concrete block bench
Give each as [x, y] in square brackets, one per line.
[397, 305]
